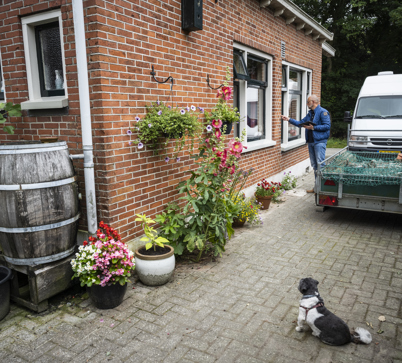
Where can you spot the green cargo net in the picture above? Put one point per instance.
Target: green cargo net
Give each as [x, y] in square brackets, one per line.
[364, 168]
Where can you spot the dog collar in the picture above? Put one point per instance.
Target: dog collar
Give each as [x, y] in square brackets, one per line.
[313, 307]
[308, 296]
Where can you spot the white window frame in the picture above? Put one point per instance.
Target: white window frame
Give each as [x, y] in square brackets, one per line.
[2, 100]
[288, 145]
[267, 142]
[36, 101]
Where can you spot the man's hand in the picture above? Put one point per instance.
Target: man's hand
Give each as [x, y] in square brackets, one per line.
[308, 127]
[285, 118]
[399, 157]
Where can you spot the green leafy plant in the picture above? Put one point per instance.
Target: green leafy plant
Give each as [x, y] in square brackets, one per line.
[266, 189]
[162, 121]
[151, 234]
[248, 207]
[205, 221]
[222, 110]
[8, 109]
[289, 181]
[105, 260]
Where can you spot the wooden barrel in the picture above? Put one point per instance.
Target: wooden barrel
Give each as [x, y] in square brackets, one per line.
[39, 203]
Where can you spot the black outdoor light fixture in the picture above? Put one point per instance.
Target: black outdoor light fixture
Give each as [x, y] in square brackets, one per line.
[191, 15]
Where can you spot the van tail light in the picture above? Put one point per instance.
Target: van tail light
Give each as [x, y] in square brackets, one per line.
[327, 200]
[329, 182]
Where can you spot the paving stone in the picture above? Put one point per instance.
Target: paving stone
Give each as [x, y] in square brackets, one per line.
[243, 307]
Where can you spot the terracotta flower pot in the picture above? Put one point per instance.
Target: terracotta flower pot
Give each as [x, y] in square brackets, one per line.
[238, 222]
[265, 201]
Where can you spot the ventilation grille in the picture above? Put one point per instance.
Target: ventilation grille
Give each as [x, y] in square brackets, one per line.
[283, 50]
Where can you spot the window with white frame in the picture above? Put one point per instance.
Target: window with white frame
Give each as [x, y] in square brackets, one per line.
[44, 56]
[296, 86]
[2, 88]
[253, 95]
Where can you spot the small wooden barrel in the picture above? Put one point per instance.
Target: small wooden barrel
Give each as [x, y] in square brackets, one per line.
[39, 199]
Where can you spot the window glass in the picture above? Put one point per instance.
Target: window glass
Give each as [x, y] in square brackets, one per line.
[236, 104]
[379, 107]
[240, 70]
[1, 84]
[257, 69]
[255, 114]
[50, 59]
[294, 108]
[295, 80]
[284, 78]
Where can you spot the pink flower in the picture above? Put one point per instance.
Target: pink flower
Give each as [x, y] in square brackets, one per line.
[217, 133]
[216, 123]
[236, 147]
[225, 93]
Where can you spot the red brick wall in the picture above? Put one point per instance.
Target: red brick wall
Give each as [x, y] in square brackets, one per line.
[124, 38]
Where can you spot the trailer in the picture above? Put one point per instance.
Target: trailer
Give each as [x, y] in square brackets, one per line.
[369, 181]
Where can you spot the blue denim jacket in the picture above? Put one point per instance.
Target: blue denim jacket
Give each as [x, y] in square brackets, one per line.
[322, 121]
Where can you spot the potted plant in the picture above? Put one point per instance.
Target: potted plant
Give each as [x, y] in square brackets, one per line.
[266, 191]
[104, 265]
[5, 276]
[155, 261]
[248, 208]
[289, 181]
[249, 211]
[171, 123]
[223, 113]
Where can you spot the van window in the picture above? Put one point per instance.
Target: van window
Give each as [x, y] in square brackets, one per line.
[379, 107]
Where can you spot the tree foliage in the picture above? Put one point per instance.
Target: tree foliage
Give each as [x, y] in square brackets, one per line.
[367, 40]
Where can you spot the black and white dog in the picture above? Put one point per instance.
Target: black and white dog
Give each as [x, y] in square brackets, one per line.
[325, 325]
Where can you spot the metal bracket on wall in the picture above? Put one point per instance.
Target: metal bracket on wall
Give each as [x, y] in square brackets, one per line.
[153, 74]
[211, 86]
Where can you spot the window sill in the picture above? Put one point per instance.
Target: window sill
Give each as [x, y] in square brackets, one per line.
[257, 145]
[45, 103]
[293, 144]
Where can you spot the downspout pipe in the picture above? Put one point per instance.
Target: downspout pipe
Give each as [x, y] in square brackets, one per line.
[85, 112]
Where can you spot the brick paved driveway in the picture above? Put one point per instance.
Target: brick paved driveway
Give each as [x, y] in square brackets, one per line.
[243, 307]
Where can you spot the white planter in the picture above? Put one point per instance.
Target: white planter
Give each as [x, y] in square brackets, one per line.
[155, 270]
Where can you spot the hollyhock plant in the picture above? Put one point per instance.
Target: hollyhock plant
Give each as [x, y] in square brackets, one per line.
[104, 260]
[205, 220]
[223, 111]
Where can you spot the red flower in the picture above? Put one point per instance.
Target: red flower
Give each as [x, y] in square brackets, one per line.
[85, 243]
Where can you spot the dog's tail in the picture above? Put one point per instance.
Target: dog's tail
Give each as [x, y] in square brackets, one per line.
[361, 335]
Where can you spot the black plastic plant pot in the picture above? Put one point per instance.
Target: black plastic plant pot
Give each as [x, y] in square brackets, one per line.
[229, 126]
[5, 277]
[107, 297]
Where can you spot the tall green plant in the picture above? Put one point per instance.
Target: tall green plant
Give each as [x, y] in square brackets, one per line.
[205, 220]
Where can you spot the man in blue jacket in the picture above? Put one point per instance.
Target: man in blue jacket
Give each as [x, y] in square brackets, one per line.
[316, 136]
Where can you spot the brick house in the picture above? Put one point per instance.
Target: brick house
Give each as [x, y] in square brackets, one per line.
[91, 106]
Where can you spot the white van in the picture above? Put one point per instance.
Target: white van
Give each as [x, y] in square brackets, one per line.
[377, 120]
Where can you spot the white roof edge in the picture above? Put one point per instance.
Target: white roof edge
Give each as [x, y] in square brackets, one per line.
[328, 49]
[302, 16]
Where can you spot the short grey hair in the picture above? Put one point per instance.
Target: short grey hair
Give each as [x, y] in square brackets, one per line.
[315, 99]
